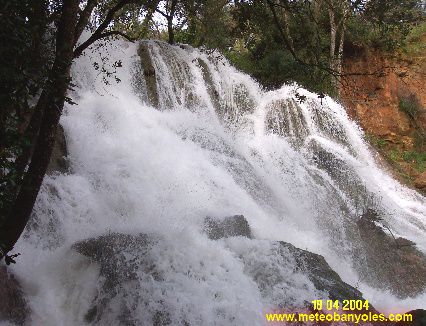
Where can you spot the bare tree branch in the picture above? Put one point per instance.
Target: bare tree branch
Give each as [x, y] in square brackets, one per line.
[162, 13]
[111, 33]
[108, 19]
[84, 18]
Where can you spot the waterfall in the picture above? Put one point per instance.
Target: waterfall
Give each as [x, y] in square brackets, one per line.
[184, 136]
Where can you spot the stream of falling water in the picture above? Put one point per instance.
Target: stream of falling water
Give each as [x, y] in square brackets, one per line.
[216, 145]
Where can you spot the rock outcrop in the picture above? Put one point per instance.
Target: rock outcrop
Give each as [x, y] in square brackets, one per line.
[395, 264]
[148, 78]
[373, 99]
[389, 102]
[419, 318]
[314, 266]
[226, 227]
[13, 306]
[285, 275]
[322, 275]
[122, 259]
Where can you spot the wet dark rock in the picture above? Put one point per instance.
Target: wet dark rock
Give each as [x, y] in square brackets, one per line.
[341, 172]
[149, 74]
[162, 318]
[285, 118]
[13, 306]
[122, 258]
[115, 253]
[230, 226]
[402, 242]
[58, 162]
[395, 264]
[419, 318]
[322, 275]
[208, 79]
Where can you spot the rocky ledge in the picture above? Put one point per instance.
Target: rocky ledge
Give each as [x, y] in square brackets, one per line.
[13, 306]
[277, 268]
[396, 264]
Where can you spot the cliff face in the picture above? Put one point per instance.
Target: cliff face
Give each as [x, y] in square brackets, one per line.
[391, 108]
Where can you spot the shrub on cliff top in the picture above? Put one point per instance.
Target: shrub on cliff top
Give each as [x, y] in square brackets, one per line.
[410, 104]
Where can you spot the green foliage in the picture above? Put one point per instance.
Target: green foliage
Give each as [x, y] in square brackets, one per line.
[410, 104]
[378, 24]
[362, 35]
[418, 158]
[420, 140]
[415, 45]
[376, 141]
[395, 155]
[258, 47]
[14, 90]
[276, 67]
[403, 162]
[417, 33]
[23, 62]
[208, 24]
[385, 24]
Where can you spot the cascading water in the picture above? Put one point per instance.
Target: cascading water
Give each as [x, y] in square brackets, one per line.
[184, 136]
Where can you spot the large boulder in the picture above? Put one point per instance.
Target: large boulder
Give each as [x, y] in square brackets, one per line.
[159, 280]
[419, 318]
[142, 279]
[218, 228]
[395, 263]
[122, 259]
[322, 275]
[13, 306]
[303, 262]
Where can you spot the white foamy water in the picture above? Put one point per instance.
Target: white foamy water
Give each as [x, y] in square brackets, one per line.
[216, 148]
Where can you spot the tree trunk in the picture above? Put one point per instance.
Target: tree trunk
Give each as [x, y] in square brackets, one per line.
[38, 22]
[54, 95]
[317, 10]
[287, 29]
[336, 43]
[333, 36]
[31, 133]
[170, 30]
[34, 71]
[192, 22]
[170, 21]
[339, 59]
